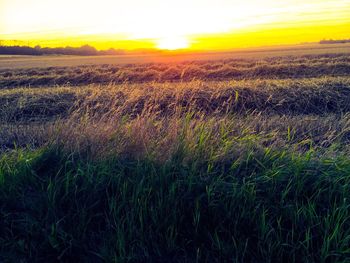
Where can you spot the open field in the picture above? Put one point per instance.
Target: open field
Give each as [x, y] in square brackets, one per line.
[14, 62]
[209, 160]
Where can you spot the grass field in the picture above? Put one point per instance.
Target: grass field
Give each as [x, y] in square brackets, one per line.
[209, 160]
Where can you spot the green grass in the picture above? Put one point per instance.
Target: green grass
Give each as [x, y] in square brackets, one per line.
[262, 207]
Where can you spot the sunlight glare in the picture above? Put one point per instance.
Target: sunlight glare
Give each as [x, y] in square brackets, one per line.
[173, 43]
[172, 25]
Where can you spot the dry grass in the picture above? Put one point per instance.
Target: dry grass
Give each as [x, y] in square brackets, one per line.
[268, 68]
[305, 96]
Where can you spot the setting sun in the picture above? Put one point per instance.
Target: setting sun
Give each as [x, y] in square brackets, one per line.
[172, 43]
[170, 25]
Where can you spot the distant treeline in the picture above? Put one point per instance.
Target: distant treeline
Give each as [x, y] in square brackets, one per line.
[85, 50]
[331, 41]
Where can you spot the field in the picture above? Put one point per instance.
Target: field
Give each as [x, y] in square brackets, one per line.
[13, 62]
[218, 159]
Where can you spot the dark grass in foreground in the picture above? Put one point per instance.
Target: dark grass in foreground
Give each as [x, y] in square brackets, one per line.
[262, 207]
[176, 190]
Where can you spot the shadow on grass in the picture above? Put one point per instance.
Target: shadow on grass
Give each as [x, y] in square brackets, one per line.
[263, 208]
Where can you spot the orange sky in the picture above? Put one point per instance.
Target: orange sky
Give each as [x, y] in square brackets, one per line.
[196, 24]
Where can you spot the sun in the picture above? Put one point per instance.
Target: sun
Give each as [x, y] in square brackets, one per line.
[173, 43]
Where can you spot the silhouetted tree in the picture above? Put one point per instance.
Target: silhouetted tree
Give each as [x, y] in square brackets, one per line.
[85, 50]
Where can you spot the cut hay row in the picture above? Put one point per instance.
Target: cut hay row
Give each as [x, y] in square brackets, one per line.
[291, 97]
[278, 68]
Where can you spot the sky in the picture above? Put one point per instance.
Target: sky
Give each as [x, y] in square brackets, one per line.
[164, 24]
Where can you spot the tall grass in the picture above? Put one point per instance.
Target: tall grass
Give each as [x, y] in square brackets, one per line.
[180, 189]
[255, 206]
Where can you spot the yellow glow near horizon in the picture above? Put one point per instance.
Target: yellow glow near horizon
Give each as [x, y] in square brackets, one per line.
[166, 24]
